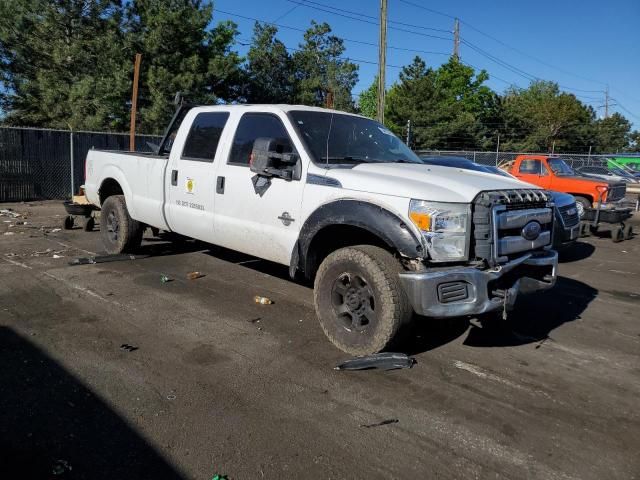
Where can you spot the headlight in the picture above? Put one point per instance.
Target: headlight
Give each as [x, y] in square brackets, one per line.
[444, 227]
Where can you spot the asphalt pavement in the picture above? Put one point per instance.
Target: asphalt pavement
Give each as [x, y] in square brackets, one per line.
[107, 372]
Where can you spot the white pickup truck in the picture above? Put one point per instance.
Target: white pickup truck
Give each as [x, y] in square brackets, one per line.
[341, 201]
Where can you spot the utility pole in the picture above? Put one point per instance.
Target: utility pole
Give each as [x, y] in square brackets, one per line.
[456, 39]
[382, 59]
[606, 102]
[498, 150]
[409, 133]
[134, 102]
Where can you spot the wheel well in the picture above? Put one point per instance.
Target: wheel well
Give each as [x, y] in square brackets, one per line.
[108, 188]
[334, 237]
[583, 195]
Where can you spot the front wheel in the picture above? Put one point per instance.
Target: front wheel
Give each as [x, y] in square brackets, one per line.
[120, 233]
[582, 203]
[359, 299]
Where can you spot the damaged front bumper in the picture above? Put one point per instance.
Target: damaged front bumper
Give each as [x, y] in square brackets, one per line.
[458, 291]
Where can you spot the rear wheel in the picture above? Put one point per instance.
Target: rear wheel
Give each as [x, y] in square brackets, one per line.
[359, 300]
[617, 234]
[120, 233]
[89, 223]
[582, 203]
[628, 232]
[68, 222]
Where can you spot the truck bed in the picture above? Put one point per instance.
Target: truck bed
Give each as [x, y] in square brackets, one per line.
[142, 177]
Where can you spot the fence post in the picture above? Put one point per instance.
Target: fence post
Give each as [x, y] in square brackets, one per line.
[72, 162]
[497, 150]
[474, 156]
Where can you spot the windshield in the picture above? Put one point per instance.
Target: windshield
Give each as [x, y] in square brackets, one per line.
[334, 138]
[621, 172]
[560, 167]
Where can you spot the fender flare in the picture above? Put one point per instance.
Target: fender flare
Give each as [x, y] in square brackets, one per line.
[373, 218]
[116, 174]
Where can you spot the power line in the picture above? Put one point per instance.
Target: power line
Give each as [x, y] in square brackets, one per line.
[363, 20]
[309, 3]
[626, 110]
[518, 71]
[371, 44]
[504, 44]
[286, 13]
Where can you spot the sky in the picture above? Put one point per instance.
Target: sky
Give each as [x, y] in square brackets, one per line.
[581, 44]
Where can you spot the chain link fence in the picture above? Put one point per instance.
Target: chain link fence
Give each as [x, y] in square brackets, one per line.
[42, 164]
[498, 158]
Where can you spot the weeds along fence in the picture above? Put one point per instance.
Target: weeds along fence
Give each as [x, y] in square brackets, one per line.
[43, 164]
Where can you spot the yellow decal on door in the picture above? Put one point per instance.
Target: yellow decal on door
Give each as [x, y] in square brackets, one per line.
[190, 185]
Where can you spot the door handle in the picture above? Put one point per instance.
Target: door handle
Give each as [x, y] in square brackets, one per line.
[174, 177]
[220, 185]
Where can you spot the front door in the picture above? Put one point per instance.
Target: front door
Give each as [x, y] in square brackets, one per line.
[261, 223]
[191, 177]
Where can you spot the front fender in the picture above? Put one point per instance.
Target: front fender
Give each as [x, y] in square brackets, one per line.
[379, 221]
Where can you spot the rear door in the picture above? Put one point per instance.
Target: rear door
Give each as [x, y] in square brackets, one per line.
[533, 170]
[191, 177]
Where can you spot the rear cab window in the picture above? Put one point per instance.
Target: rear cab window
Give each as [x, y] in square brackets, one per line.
[202, 142]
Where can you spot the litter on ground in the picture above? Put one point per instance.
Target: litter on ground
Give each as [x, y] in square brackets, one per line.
[380, 361]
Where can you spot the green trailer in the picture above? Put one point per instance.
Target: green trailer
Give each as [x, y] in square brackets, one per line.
[629, 162]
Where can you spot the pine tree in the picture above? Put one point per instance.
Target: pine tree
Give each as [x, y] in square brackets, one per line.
[320, 72]
[63, 64]
[269, 68]
[181, 54]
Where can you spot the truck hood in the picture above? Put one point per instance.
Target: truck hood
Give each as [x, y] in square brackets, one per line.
[425, 182]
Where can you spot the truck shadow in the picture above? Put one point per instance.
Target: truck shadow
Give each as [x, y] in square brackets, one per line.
[533, 319]
[577, 251]
[53, 426]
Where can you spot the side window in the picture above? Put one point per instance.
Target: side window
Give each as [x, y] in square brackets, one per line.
[203, 138]
[252, 126]
[530, 167]
[544, 171]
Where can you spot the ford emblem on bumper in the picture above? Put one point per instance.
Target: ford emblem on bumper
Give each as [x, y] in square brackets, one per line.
[531, 231]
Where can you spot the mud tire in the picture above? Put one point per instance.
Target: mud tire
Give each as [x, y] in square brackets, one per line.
[120, 233]
[367, 269]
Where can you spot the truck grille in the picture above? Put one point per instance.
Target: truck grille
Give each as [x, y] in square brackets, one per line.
[511, 222]
[569, 214]
[616, 192]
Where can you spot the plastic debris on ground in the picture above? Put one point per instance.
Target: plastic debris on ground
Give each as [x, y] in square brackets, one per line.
[380, 424]
[60, 467]
[9, 213]
[165, 279]
[379, 361]
[195, 275]
[128, 348]
[105, 259]
[262, 300]
[217, 476]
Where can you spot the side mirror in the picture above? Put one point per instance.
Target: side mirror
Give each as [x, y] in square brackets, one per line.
[269, 158]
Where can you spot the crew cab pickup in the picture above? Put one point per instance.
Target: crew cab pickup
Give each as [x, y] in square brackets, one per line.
[553, 173]
[341, 201]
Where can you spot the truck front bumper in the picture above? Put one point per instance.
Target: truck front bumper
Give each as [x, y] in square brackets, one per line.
[458, 291]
